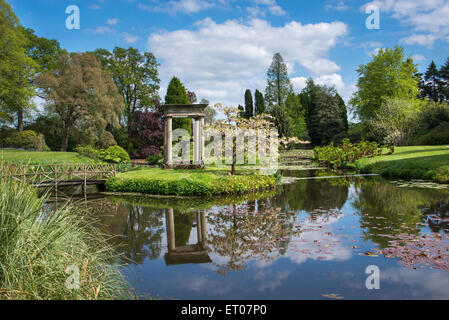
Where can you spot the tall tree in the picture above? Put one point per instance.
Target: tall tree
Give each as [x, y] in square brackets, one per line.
[43, 51]
[137, 79]
[281, 121]
[79, 91]
[249, 106]
[177, 94]
[444, 74]
[343, 111]
[432, 86]
[296, 114]
[324, 111]
[278, 82]
[388, 75]
[16, 69]
[260, 102]
[306, 99]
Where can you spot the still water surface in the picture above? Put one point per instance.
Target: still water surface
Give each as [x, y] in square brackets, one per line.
[306, 239]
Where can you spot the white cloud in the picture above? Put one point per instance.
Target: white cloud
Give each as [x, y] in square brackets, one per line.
[336, 6]
[261, 7]
[112, 22]
[426, 40]
[418, 57]
[427, 284]
[183, 6]
[129, 38]
[428, 18]
[220, 61]
[94, 7]
[331, 80]
[101, 30]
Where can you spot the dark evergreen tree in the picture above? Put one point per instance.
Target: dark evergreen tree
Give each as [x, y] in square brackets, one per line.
[260, 102]
[242, 110]
[281, 121]
[177, 94]
[249, 106]
[278, 82]
[325, 120]
[432, 85]
[444, 74]
[343, 111]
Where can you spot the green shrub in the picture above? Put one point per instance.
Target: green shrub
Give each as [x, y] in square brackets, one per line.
[437, 136]
[115, 154]
[236, 184]
[346, 153]
[154, 160]
[88, 151]
[105, 140]
[27, 139]
[40, 244]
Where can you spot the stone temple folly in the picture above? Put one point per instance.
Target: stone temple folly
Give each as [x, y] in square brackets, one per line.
[194, 112]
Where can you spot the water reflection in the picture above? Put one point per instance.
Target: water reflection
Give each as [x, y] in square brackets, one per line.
[178, 233]
[298, 241]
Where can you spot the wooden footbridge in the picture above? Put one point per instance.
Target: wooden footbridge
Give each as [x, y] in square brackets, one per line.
[60, 175]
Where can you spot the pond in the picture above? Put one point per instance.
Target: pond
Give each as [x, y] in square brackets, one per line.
[309, 239]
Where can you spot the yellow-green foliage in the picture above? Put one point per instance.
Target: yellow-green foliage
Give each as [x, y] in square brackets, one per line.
[187, 182]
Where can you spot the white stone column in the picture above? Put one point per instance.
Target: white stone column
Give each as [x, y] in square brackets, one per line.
[199, 230]
[202, 140]
[196, 141]
[168, 141]
[203, 229]
[170, 226]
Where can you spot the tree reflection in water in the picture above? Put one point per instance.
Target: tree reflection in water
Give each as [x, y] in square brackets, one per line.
[240, 233]
[137, 231]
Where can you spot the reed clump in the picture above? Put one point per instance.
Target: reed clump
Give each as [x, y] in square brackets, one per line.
[45, 253]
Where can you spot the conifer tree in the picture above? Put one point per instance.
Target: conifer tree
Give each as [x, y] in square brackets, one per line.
[278, 82]
[249, 107]
[260, 103]
[177, 94]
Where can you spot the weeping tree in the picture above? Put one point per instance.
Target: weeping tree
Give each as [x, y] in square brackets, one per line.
[81, 93]
[234, 122]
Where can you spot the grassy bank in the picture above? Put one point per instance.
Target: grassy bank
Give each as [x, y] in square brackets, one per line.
[188, 182]
[38, 245]
[423, 162]
[35, 157]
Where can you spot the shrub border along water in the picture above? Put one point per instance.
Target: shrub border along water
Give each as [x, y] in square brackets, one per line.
[216, 184]
[343, 156]
[39, 244]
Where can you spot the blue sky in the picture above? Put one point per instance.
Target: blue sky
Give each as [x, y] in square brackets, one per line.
[219, 48]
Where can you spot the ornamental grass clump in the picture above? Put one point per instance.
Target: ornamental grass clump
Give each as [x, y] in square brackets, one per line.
[42, 249]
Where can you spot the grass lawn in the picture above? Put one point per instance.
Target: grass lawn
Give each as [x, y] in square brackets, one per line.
[188, 182]
[422, 162]
[34, 157]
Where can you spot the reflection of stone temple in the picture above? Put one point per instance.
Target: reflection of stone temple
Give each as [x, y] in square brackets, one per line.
[186, 253]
